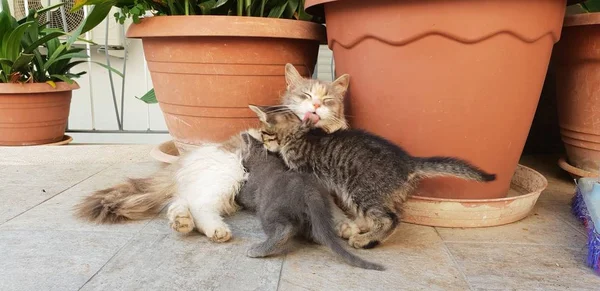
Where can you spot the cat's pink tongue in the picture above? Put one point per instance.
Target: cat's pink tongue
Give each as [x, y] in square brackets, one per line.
[312, 117]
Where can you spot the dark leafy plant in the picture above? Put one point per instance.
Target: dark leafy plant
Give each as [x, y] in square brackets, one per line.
[30, 52]
[288, 9]
[589, 6]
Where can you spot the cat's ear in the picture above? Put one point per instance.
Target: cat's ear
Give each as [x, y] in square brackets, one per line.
[292, 76]
[340, 85]
[260, 112]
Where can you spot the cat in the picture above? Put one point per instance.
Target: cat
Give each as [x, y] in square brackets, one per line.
[201, 186]
[288, 203]
[370, 175]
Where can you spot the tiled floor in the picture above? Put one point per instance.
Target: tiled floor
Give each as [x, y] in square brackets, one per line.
[43, 247]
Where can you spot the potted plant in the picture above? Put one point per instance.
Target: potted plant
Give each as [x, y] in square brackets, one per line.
[577, 70]
[36, 81]
[208, 59]
[458, 78]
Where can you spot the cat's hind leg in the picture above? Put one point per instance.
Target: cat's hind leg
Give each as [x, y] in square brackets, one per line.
[344, 226]
[382, 223]
[278, 237]
[208, 220]
[180, 218]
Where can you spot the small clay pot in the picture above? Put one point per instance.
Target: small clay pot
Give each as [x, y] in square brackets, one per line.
[577, 68]
[34, 113]
[454, 78]
[207, 69]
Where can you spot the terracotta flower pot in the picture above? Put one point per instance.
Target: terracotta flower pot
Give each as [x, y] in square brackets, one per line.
[206, 69]
[459, 78]
[577, 67]
[34, 114]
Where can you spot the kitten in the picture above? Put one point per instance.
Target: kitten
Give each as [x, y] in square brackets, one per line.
[288, 203]
[371, 175]
[202, 185]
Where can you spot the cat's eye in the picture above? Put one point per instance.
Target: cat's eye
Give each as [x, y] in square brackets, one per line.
[306, 95]
[328, 101]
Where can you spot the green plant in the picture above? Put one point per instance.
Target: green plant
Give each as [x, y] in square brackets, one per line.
[288, 9]
[589, 6]
[30, 52]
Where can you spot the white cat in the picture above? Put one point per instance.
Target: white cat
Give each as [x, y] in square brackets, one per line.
[202, 185]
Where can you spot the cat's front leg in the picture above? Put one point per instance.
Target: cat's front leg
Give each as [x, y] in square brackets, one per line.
[180, 218]
[208, 221]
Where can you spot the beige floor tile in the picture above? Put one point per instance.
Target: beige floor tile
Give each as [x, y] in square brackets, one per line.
[69, 154]
[524, 267]
[168, 262]
[415, 257]
[57, 213]
[24, 187]
[543, 226]
[53, 260]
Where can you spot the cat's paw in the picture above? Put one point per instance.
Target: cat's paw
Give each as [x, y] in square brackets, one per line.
[254, 253]
[361, 241]
[220, 234]
[182, 223]
[347, 228]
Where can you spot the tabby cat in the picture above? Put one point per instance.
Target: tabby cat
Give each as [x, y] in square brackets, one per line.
[370, 175]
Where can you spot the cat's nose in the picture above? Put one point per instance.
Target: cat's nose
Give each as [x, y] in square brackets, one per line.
[316, 105]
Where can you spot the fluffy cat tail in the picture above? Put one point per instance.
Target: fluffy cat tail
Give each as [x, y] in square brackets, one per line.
[451, 167]
[135, 199]
[323, 233]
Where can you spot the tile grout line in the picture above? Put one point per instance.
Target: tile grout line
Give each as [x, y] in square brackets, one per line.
[280, 272]
[60, 192]
[454, 261]
[128, 242]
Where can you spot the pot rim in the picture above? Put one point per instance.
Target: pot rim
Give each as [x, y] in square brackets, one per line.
[29, 88]
[582, 19]
[232, 26]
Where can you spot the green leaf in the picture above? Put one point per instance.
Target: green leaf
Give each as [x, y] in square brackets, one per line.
[290, 9]
[43, 40]
[591, 5]
[277, 11]
[63, 78]
[149, 97]
[22, 61]
[12, 46]
[64, 57]
[109, 68]
[207, 6]
[220, 3]
[6, 62]
[5, 7]
[95, 17]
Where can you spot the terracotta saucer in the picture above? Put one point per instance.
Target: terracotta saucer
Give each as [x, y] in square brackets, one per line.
[526, 187]
[575, 172]
[65, 140]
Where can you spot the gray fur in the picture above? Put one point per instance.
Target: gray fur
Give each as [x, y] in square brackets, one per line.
[370, 175]
[288, 203]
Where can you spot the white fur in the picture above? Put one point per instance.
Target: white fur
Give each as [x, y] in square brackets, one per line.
[208, 178]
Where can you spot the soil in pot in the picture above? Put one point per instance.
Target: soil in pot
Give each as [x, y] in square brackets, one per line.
[453, 78]
[34, 114]
[576, 61]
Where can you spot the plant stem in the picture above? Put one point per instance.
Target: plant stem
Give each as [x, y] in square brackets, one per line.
[187, 7]
[240, 7]
[262, 8]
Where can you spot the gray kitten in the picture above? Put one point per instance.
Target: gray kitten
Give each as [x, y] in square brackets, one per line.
[370, 175]
[288, 203]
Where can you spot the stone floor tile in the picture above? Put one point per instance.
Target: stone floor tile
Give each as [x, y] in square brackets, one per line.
[53, 260]
[415, 258]
[524, 267]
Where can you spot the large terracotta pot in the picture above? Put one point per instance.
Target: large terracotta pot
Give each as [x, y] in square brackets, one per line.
[33, 114]
[206, 69]
[459, 78]
[577, 67]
